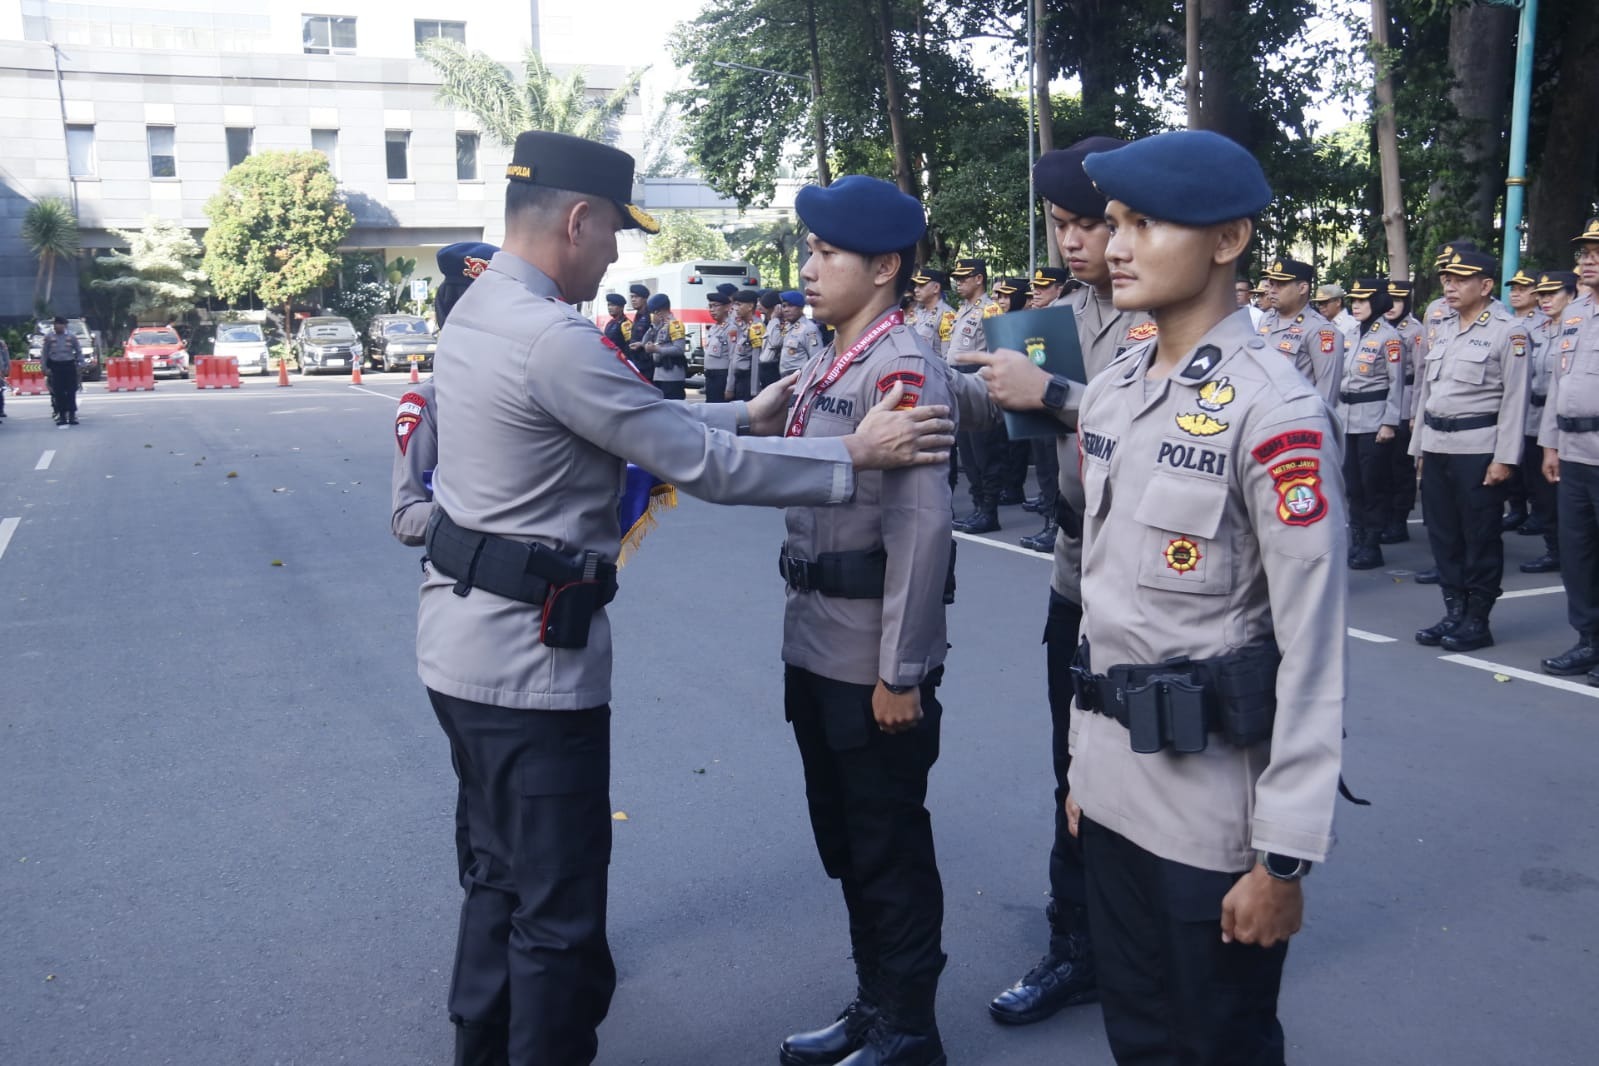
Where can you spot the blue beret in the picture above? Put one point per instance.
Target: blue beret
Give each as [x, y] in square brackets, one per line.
[793, 298]
[464, 261]
[659, 302]
[615, 298]
[1190, 177]
[718, 298]
[727, 288]
[639, 290]
[746, 296]
[859, 214]
[1058, 176]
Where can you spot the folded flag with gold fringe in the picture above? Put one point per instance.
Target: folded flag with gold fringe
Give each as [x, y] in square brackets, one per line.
[643, 497]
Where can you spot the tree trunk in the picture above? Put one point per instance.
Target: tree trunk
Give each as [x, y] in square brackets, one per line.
[824, 173]
[1480, 39]
[1042, 67]
[1221, 107]
[1393, 200]
[1562, 193]
[47, 263]
[895, 103]
[1094, 66]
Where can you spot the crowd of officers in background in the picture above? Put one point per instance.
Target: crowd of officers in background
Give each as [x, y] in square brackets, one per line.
[1467, 379]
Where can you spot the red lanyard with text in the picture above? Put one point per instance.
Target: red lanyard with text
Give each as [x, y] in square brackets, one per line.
[802, 409]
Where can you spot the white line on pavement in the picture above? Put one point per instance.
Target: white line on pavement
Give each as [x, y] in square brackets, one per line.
[374, 392]
[44, 460]
[1519, 593]
[1375, 638]
[1523, 675]
[8, 526]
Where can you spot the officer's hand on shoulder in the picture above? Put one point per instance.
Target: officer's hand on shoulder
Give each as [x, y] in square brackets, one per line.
[888, 437]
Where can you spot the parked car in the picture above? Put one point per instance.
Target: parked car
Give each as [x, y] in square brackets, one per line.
[91, 363]
[167, 352]
[245, 342]
[394, 342]
[326, 343]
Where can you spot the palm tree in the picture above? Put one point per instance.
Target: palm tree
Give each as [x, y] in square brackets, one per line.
[477, 83]
[51, 231]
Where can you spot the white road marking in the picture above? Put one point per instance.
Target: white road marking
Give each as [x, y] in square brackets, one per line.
[374, 392]
[44, 460]
[1520, 593]
[1523, 675]
[8, 526]
[1358, 634]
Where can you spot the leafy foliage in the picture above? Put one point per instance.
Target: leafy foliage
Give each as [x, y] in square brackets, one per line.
[772, 248]
[361, 303]
[50, 230]
[159, 274]
[683, 237]
[477, 83]
[276, 225]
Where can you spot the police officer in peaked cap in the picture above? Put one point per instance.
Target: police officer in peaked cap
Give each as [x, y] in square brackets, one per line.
[1209, 706]
[513, 639]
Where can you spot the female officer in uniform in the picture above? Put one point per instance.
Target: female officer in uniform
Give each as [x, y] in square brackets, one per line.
[1210, 687]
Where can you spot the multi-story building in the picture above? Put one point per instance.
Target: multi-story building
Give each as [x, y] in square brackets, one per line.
[129, 111]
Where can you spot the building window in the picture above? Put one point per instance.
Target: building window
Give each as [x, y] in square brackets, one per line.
[466, 156]
[428, 29]
[327, 142]
[163, 151]
[328, 35]
[80, 151]
[239, 140]
[397, 143]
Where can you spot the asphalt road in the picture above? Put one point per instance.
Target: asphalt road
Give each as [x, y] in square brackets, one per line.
[225, 829]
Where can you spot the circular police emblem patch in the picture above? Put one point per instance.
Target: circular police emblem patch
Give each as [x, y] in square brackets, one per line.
[1183, 555]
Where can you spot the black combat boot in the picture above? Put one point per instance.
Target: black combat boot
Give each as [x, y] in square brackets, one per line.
[477, 1044]
[905, 1032]
[1043, 540]
[1454, 614]
[1427, 577]
[831, 1043]
[1472, 633]
[983, 520]
[1061, 979]
[1579, 659]
[1012, 497]
[1512, 519]
[1547, 563]
[1032, 505]
[1366, 555]
[1396, 532]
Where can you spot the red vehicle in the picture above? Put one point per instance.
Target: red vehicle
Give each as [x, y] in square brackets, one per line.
[168, 353]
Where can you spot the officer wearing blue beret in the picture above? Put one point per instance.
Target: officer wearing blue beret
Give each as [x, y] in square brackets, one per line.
[1207, 729]
[665, 342]
[718, 343]
[863, 632]
[618, 330]
[802, 340]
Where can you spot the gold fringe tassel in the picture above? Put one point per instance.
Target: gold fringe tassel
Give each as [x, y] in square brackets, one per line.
[662, 497]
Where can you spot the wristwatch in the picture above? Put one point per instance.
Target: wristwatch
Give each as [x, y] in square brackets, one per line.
[898, 690]
[1284, 867]
[1056, 391]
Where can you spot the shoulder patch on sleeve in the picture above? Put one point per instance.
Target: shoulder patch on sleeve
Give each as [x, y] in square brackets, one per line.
[909, 378]
[627, 330]
[1518, 344]
[946, 325]
[1328, 340]
[1396, 349]
[990, 310]
[1299, 497]
[674, 330]
[406, 418]
[1142, 332]
[757, 333]
[1269, 449]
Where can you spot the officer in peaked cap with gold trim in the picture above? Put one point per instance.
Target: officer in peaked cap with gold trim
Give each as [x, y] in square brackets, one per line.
[1300, 332]
[1212, 491]
[931, 315]
[1471, 409]
[982, 451]
[513, 640]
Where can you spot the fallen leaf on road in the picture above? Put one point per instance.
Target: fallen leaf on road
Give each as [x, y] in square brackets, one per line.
[619, 816]
[49, 977]
[233, 473]
[149, 445]
[277, 562]
[1501, 678]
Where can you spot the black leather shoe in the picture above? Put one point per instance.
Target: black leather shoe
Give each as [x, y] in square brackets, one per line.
[1592, 677]
[1394, 533]
[1366, 555]
[1531, 528]
[887, 1046]
[1547, 563]
[831, 1043]
[1011, 497]
[72, 420]
[1427, 577]
[1032, 505]
[481, 1045]
[1512, 520]
[981, 522]
[1046, 989]
[1581, 658]
[1454, 615]
[1042, 541]
[1469, 635]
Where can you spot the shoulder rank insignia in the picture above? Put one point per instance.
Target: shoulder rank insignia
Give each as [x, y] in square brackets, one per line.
[1484, 318]
[1142, 332]
[757, 332]
[990, 310]
[674, 330]
[946, 325]
[627, 330]
[1202, 362]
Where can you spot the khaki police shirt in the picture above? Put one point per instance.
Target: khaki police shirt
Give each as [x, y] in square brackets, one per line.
[718, 344]
[537, 417]
[1215, 519]
[800, 345]
[416, 451]
[1415, 338]
[60, 348]
[933, 324]
[966, 331]
[1315, 346]
[1479, 367]
[772, 341]
[1574, 383]
[1374, 366]
[1541, 331]
[743, 339]
[668, 339]
[900, 638]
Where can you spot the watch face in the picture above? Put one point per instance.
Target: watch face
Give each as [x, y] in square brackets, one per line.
[1283, 865]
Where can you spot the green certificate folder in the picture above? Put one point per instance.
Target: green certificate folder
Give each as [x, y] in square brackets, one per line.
[1048, 335]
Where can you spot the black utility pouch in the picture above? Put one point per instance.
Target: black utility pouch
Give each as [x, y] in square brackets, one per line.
[1246, 684]
[568, 612]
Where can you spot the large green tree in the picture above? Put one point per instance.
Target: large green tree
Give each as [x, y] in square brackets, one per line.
[276, 225]
[50, 230]
[540, 99]
[160, 273]
[683, 237]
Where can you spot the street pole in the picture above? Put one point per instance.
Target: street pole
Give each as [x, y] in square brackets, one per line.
[1521, 106]
[1032, 192]
[1393, 199]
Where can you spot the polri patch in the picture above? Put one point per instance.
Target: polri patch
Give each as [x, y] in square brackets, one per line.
[1193, 458]
[1396, 351]
[1328, 341]
[1268, 450]
[1299, 497]
[407, 417]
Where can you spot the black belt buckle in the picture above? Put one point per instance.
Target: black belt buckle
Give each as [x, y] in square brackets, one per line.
[1166, 709]
[798, 573]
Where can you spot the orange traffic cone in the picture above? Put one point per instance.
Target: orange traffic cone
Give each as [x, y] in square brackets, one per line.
[415, 377]
[283, 373]
[355, 372]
